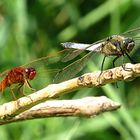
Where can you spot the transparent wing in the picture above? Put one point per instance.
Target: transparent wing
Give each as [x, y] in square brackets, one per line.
[78, 48]
[71, 70]
[71, 55]
[46, 68]
[132, 33]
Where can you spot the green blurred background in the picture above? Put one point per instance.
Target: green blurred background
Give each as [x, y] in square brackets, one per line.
[35, 28]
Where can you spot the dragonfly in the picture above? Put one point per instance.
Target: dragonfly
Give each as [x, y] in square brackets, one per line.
[115, 45]
[21, 76]
[18, 76]
[60, 65]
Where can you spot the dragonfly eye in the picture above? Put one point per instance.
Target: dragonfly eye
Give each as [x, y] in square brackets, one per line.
[129, 43]
[30, 73]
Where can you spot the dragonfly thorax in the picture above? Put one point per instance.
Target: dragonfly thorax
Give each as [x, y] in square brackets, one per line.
[117, 45]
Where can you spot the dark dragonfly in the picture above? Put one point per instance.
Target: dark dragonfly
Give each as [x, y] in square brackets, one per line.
[115, 45]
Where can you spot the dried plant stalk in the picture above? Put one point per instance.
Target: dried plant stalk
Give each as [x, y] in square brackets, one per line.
[85, 107]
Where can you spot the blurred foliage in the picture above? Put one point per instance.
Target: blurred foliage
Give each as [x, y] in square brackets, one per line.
[35, 28]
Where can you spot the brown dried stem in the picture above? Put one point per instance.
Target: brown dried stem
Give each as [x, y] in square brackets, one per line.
[14, 108]
[85, 107]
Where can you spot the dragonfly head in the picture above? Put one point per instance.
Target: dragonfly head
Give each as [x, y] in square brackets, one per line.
[129, 44]
[30, 73]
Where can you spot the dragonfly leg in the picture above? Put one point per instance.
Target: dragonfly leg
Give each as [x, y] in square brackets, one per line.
[29, 85]
[103, 63]
[101, 69]
[20, 89]
[131, 60]
[26, 83]
[116, 85]
[13, 94]
[123, 65]
[115, 61]
[102, 66]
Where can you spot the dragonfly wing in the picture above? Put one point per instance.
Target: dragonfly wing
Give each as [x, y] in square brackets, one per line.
[71, 55]
[71, 70]
[81, 46]
[4, 73]
[132, 33]
[75, 45]
[135, 35]
[78, 49]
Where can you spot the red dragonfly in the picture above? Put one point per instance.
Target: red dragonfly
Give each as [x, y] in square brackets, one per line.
[18, 76]
[51, 67]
